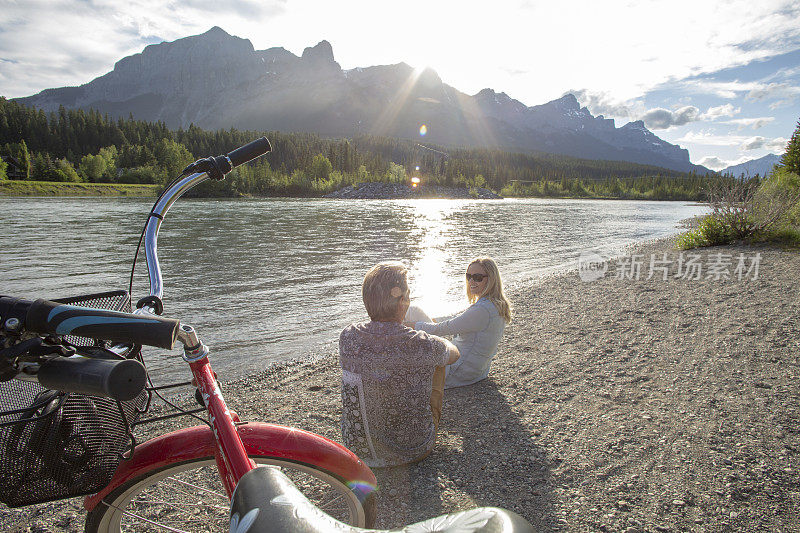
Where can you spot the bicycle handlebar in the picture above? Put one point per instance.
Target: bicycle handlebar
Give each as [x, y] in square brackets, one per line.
[46, 317]
[202, 170]
[249, 151]
[119, 379]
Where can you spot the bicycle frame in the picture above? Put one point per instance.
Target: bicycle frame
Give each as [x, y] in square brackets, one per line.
[226, 441]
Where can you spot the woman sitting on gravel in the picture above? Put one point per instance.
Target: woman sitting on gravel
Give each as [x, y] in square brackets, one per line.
[392, 376]
[477, 330]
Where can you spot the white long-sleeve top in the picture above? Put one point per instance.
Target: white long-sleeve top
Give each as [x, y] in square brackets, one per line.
[476, 333]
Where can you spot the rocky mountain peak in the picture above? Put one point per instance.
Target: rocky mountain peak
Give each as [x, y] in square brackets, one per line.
[215, 33]
[568, 102]
[491, 94]
[321, 53]
[429, 78]
[214, 44]
[635, 125]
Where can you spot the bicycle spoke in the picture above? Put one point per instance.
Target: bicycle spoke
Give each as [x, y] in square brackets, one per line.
[329, 505]
[152, 523]
[174, 480]
[197, 487]
[176, 504]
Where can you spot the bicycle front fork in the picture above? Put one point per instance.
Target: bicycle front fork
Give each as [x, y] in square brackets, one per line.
[232, 459]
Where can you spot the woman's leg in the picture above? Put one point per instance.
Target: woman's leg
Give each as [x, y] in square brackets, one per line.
[416, 314]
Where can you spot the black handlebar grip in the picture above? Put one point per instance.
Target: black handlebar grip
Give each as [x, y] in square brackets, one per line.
[249, 151]
[119, 379]
[51, 317]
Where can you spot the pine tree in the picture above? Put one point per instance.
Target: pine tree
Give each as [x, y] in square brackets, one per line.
[25, 159]
[791, 159]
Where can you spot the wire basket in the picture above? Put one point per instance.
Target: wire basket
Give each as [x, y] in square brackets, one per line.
[56, 445]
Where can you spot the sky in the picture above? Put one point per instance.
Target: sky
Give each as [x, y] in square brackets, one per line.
[719, 78]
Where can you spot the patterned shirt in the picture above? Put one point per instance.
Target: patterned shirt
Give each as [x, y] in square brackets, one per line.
[387, 370]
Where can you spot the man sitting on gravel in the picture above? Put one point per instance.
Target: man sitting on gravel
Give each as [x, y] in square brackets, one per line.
[392, 376]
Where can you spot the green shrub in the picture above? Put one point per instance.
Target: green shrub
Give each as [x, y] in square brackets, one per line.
[690, 239]
[715, 231]
[782, 188]
[143, 174]
[710, 231]
[60, 170]
[785, 235]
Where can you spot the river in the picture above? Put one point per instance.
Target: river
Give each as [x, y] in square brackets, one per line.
[272, 279]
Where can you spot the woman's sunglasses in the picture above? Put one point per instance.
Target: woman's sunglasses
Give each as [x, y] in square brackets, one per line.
[477, 277]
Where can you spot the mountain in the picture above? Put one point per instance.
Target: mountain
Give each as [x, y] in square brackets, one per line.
[761, 166]
[216, 80]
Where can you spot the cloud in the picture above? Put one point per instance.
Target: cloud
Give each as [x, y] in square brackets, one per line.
[773, 91]
[758, 142]
[516, 71]
[600, 103]
[777, 144]
[709, 139]
[783, 93]
[754, 123]
[725, 110]
[661, 119]
[715, 163]
[722, 89]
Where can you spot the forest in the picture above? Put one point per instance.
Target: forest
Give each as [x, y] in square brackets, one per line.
[86, 146]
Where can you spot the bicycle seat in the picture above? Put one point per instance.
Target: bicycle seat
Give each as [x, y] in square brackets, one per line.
[266, 500]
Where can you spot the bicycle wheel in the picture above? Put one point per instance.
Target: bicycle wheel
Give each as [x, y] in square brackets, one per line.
[189, 497]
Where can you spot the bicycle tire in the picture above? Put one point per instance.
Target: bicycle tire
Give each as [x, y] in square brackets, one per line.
[123, 510]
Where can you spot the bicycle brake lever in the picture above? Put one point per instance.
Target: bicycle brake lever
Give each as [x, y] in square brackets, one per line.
[34, 349]
[215, 167]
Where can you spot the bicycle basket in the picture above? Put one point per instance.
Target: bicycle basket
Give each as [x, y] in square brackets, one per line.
[56, 445]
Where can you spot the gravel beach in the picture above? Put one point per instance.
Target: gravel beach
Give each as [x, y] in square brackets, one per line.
[613, 405]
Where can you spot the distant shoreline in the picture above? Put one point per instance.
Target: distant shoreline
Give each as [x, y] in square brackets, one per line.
[396, 191]
[364, 191]
[52, 188]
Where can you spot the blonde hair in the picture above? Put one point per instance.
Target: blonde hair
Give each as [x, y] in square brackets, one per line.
[384, 285]
[494, 288]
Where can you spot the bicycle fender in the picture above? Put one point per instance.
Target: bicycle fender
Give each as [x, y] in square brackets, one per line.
[259, 438]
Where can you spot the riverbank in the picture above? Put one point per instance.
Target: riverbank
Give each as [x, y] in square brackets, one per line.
[613, 405]
[52, 188]
[394, 191]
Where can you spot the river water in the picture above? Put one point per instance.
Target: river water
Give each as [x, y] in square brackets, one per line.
[273, 279]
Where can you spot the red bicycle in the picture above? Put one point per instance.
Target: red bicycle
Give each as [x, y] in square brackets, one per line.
[74, 386]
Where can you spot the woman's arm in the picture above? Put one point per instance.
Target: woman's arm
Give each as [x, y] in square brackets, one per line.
[474, 318]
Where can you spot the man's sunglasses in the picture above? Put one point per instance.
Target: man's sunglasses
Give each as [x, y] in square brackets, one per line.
[477, 277]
